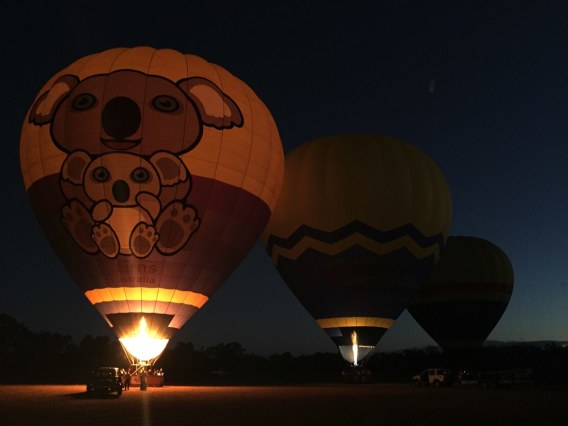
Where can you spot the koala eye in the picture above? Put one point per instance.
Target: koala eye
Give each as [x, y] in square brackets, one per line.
[101, 174]
[165, 103]
[83, 101]
[140, 175]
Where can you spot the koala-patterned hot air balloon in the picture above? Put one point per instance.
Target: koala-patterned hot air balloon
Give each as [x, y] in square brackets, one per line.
[152, 174]
[359, 224]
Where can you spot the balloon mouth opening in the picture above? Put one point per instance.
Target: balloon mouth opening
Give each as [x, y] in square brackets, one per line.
[120, 145]
[355, 354]
[141, 346]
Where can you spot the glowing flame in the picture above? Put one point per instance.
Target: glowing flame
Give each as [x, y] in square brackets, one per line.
[142, 346]
[355, 347]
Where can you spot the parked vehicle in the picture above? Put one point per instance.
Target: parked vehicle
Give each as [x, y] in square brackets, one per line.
[105, 379]
[436, 377]
[497, 378]
[505, 378]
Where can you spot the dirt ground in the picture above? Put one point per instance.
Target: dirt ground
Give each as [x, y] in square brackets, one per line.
[314, 405]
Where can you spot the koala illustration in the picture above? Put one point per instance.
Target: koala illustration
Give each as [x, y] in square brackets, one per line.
[126, 216]
[125, 184]
[131, 111]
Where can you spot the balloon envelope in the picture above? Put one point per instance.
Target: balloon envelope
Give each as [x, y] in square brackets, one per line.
[152, 174]
[466, 294]
[358, 226]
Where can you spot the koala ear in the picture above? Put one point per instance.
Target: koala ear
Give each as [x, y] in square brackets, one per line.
[215, 107]
[170, 168]
[44, 107]
[74, 166]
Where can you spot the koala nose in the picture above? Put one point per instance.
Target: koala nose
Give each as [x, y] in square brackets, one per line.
[120, 117]
[121, 191]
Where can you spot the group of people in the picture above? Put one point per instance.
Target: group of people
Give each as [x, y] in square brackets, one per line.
[127, 374]
[151, 371]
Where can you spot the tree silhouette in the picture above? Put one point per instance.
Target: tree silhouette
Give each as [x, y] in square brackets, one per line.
[45, 357]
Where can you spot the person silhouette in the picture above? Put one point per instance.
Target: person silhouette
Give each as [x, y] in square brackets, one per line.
[127, 381]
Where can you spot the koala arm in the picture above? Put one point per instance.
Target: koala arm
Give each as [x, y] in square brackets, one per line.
[101, 211]
[74, 167]
[170, 168]
[150, 203]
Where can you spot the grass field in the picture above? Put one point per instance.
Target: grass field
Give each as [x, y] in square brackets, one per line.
[315, 405]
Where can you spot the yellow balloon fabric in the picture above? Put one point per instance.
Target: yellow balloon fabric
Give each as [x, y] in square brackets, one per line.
[380, 181]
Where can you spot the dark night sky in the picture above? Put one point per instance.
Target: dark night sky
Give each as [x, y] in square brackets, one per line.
[495, 122]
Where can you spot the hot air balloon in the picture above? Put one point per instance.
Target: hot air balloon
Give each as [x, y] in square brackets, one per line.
[359, 224]
[465, 296]
[152, 173]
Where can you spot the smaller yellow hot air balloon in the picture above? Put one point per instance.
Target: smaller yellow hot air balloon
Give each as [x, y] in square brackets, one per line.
[465, 296]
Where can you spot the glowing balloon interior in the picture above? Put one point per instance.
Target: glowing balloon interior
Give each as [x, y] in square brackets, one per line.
[355, 353]
[359, 224]
[142, 346]
[152, 173]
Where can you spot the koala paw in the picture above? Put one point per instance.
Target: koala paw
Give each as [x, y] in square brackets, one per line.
[176, 224]
[106, 239]
[143, 239]
[78, 221]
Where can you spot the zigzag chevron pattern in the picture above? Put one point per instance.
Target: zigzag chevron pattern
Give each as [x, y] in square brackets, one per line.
[355, 233]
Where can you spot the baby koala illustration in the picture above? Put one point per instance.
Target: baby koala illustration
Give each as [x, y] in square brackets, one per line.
[123, 213]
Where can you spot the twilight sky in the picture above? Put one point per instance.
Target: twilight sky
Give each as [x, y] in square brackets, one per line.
[479, 86]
